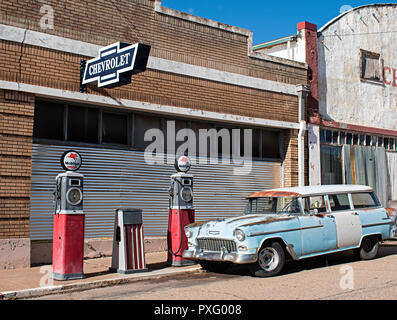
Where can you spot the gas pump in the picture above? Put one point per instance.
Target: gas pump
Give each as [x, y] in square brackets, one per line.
[180, 212]
[68, 228]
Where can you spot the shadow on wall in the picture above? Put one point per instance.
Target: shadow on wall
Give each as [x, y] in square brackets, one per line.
[322, 80]
[41, 250]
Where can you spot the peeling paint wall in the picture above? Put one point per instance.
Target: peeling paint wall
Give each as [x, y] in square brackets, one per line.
[343, 97]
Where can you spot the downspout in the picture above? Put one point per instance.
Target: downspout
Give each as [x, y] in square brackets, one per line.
[302, 91]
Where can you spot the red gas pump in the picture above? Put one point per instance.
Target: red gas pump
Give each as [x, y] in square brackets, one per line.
[180, 212]
[68, 229]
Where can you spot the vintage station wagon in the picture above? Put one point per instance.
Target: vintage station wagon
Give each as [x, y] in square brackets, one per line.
[293, 223]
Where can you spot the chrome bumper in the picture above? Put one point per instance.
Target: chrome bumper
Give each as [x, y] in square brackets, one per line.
[220, 256]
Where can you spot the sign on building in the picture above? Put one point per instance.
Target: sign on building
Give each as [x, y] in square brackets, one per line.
[116, 63]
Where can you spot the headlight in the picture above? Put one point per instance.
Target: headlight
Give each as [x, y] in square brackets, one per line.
[239, 234]
[186, 194]
[188, 233]
[74, 196]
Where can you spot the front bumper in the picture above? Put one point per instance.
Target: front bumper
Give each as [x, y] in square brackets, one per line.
[220, 256]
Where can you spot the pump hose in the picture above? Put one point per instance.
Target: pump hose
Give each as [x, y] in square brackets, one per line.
[180, 226]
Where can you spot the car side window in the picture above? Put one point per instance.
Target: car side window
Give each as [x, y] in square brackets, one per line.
[339, 202]
[292, 208]
[314, 204]
[365, 200]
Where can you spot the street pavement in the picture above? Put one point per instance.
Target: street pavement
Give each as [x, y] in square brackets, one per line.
[36, 281]
[337, 276]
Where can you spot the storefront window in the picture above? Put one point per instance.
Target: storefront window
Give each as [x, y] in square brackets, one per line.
[355, 139]
[391, 144]
[97, 125]
[82, 124]
[368, 140]
[386, 143]
[349, 138]
[49, 120]
[342, 138]
[143, 122]
[114, 128]
[362, 140]
[331, 165]
[270, 144]
[380, 141]
[335, 137]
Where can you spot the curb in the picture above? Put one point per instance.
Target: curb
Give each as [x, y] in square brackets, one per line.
[81, 286]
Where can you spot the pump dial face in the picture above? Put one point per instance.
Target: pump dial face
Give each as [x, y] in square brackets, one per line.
[187, 194]
[74, 196]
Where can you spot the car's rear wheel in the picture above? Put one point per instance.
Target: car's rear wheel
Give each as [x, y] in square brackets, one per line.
[271, 260]
[214, 266]
[368, 249]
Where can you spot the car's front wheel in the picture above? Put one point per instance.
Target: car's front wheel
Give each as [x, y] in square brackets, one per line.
[271, 260]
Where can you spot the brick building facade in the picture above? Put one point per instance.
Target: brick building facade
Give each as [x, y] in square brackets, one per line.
[198, 70]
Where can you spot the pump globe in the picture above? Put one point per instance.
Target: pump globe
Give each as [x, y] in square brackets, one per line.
[182, 164]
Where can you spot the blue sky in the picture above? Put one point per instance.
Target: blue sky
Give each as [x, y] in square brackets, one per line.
[268, 20]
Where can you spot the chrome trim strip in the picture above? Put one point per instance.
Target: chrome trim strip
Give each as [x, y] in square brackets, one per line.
[220, 256]
[280, 231]
[376, 224]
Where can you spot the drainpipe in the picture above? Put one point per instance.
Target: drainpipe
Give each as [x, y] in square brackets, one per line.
[302, 91]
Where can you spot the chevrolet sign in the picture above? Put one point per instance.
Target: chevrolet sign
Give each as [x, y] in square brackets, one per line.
[116, 64]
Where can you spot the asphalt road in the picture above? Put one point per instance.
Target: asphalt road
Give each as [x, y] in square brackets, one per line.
[338, 276]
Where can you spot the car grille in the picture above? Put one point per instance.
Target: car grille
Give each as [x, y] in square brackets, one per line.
[216, 244]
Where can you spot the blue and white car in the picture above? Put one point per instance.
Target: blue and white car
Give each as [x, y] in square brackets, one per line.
[294, 223]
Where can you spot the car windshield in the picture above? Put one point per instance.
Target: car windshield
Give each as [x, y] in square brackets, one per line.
[272, 205]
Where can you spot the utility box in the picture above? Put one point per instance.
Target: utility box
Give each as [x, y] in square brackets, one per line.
[128, 254]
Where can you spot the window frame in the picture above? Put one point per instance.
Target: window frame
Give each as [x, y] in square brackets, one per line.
[131, 139]
[364, 54]
[336, 194]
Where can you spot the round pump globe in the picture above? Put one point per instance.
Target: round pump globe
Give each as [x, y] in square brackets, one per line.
[182, 164]
[71, 160]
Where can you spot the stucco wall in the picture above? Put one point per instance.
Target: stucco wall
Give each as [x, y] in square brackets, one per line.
[343, 97]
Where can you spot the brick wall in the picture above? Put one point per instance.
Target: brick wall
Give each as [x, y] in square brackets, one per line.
[16, 130]
[290, 158]
[104, 22]
[50, 68]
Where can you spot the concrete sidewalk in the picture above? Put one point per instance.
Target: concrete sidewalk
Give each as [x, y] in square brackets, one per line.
[36, 281]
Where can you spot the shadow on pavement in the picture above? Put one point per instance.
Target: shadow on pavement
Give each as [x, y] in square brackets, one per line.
[291, 266]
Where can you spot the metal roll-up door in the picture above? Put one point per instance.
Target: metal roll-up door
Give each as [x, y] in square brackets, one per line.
[116, 178]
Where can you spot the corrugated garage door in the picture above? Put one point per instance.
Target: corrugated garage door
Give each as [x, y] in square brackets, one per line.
[121, 178]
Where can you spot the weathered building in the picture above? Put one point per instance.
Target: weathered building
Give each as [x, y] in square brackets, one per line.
[201, 74]
[352, 106]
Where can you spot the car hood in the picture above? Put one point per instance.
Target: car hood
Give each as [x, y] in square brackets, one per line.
[225, 227]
